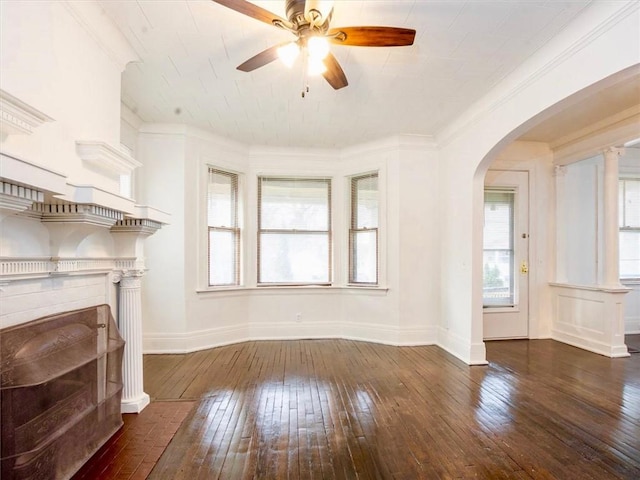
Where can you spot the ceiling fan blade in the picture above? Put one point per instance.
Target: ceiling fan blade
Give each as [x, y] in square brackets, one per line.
[261, 59]
[254, 11]
[334, 74]
[372, 36]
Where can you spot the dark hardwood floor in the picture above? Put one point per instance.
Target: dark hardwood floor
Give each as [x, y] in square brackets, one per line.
[633, 342]
[344, 409]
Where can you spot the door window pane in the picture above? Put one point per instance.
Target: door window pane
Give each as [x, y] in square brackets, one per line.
[498, 258]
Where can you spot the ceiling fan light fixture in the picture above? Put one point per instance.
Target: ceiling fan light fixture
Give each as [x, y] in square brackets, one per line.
[289, 53]
[315, 66]
[318, 47]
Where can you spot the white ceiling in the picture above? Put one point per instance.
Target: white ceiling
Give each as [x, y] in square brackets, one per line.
[190, 48]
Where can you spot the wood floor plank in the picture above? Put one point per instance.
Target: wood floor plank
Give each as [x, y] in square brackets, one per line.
[343, 409]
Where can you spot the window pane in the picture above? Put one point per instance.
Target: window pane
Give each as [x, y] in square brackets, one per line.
[631, 205]
[364, 260]
[222, 257]
[630, 254]
[294, 258]
[498, 258]
[294, 204]
[498, 220]
[222, 201]
[498, 278]
[365, 198]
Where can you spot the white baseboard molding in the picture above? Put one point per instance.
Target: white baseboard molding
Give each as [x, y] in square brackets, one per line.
[179, 343]
[595, 346]
[293, 330]
[158, 343]
[469, 353]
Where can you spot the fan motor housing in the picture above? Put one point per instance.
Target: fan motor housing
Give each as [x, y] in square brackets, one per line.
[295, 11]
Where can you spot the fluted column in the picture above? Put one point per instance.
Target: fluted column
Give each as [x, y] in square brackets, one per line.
[611, 228]
[134, 399]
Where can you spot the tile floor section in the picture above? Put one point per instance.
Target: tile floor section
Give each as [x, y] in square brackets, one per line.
[134, 450]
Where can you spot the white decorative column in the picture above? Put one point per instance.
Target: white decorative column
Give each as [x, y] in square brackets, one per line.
[134, 399]
[611, 228]
[128, 236]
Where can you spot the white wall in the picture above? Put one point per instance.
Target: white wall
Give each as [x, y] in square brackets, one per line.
[184, 314]
[582, 228]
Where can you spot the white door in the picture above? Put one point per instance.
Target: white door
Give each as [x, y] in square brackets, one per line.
[506, 255]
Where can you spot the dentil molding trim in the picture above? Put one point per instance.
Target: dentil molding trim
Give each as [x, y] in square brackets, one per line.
[17, 117]
[78, 213]
[38, 267]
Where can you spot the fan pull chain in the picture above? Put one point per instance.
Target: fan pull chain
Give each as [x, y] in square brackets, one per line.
[305, 83]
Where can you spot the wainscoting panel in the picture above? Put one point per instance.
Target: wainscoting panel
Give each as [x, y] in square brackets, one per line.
[590, 317]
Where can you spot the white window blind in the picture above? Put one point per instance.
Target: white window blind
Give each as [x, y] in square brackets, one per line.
[498, 258]
[363, 232]
[224, 233]
[629, 222]
[294, 231]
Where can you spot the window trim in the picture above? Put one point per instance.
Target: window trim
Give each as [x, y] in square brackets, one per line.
[624, 227]
[353, 230]
[236, 229]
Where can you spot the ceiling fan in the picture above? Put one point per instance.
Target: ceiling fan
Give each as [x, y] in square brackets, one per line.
[309, 21]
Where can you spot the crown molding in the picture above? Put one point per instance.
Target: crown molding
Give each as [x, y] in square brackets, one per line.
[18, 117]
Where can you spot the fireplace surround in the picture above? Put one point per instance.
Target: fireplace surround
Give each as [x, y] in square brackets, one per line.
[61, 388]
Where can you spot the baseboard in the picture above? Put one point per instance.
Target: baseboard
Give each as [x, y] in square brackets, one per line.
[401, 336]
[157, 343]
[612, 351]
[293, 330]
[179, 343]
[469, 353]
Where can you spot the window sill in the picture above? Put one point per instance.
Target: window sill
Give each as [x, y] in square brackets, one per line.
[298, 289]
